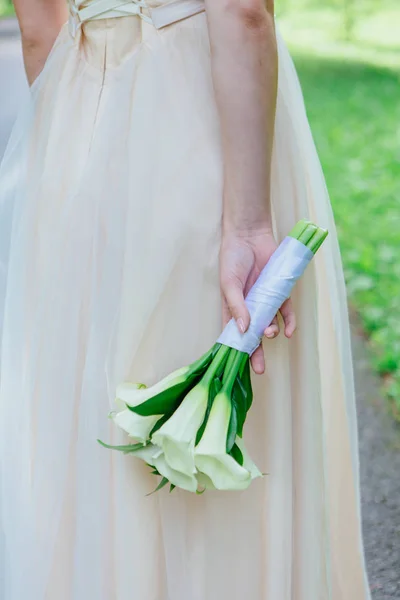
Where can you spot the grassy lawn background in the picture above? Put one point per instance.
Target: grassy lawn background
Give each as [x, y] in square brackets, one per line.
[6, 8]
[352, 92]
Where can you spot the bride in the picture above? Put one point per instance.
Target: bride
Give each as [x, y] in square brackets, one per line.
[163, 153]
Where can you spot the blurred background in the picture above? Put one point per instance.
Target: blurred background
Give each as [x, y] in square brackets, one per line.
[348, 57]
[347, 53]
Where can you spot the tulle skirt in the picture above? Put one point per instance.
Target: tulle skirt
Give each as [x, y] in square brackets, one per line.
[110, 196]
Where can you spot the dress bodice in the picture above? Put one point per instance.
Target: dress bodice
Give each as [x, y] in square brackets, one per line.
[159, 13]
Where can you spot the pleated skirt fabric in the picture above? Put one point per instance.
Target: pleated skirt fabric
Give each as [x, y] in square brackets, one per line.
[110, 202]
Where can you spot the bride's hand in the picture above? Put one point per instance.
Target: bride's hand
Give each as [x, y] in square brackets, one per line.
[242, 258]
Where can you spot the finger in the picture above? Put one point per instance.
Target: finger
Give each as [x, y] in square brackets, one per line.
[289, 318]
[233, 293]
[257, 361]
[272, 330]
[226, 315]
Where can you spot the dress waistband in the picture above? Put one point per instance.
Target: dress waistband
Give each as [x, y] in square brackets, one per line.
[159, 16]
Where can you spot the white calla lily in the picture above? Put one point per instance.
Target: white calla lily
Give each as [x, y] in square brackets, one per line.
[248, 464]
[178, 479]
[153, 456]
[224, 472]
[133, 394]
[204, 482]
[177, 437]
[211, 457]
[134, 425]
[133, 387]
[147, 454]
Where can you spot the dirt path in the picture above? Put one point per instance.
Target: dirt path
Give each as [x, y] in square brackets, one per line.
[380, 480]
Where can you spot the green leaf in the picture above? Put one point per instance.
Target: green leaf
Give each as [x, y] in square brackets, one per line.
[215, 349]
[168, 400]
[163, 483]
[232, 429]
[239, 399]
[245, 360]
[125, 449]
[246, 381]
[160, 423]
[201, 365]
[236, 453]
[239, 383]
[172, 487]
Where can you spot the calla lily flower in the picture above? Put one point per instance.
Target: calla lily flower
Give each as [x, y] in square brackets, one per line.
[147, 454]
[204, 482]
[134, 394]
[177, 436]
[178, 479]
[132, 387]
[211, 457]
[134, 425]
[248, 464]
[153, 456]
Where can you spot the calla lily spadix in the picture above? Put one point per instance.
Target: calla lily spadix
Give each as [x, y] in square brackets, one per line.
[188, 427]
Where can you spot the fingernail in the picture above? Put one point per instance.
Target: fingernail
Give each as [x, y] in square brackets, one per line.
[270, 333]
[240, 324]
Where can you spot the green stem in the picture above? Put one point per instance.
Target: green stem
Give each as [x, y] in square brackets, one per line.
[299, 229]
[229, 363]
[307, 234]
[216, 364]
[230, 374]
[317, 240]
[203, 361]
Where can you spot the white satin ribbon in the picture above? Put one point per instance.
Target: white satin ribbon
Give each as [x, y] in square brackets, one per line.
[267, 295]
[159, 17]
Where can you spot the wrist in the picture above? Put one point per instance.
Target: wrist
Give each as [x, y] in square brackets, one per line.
[246, 212]
[246, 228]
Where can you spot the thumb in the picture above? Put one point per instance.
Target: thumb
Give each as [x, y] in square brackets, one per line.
[234, 296]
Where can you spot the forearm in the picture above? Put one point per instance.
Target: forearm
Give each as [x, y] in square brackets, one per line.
[40, 22]
[244, 65]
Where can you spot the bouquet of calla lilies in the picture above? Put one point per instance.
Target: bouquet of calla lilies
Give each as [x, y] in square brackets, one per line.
[188, 427]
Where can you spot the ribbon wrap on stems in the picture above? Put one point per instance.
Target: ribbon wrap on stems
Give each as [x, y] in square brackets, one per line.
[273, 286]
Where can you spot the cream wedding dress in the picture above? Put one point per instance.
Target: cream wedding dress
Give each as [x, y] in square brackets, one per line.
[109, 236]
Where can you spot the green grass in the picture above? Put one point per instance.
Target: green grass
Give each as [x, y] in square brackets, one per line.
[352, 93]
[6, 8]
